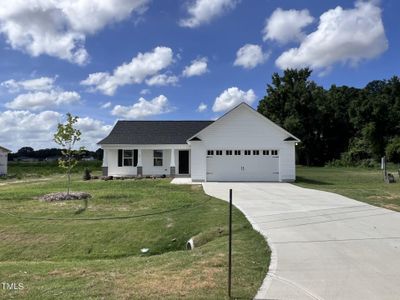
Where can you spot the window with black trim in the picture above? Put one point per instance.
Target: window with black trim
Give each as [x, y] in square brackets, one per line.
[265, 152]
[218, 152]
[237, 152]
[247, 152]
[228, 152]
[210, 152]
[256, 152]
[127, 158]
[274, 152]
[158, 158]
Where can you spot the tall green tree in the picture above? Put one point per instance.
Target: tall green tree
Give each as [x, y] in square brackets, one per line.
[67, 136]
[336, 127]
[292, 101]
[375, 114]
[342, 122]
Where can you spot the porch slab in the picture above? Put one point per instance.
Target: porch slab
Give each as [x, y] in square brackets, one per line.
[183, 180]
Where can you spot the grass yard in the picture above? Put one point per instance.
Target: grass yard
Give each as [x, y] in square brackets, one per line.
[358, 183]
[62, 250]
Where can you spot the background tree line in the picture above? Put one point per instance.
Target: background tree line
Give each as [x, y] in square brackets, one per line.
[343, 125]
[51, 153]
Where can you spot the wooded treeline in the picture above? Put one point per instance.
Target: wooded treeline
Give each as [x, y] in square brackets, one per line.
[50, 153]
[344, 125]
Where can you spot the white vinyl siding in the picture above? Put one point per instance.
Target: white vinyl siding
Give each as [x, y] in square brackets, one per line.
[244, 130]
[3, 163]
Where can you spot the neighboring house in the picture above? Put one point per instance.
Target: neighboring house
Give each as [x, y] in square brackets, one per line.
[242, 145]
[3, 160]
[52, 158]
[26, 159]
[88, 158]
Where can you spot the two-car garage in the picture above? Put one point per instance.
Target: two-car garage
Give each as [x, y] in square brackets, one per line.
[243, 165]
[243, 145]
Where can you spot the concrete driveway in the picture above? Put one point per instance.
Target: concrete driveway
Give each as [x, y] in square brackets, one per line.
[324, 246]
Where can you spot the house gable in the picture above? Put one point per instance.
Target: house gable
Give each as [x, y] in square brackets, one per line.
[5, 150]
[244, 126]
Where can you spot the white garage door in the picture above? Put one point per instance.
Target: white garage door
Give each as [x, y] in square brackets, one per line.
[242, 165]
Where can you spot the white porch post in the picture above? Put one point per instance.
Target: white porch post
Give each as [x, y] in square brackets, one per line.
[139, 167]
[104, 166]
[172, 164]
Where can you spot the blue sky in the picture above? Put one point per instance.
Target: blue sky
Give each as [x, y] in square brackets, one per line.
[84, 57]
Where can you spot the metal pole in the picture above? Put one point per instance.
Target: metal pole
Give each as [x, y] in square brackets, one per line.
[230, 246]
[385, 170]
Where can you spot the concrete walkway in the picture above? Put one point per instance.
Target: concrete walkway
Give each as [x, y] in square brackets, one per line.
[324, 246]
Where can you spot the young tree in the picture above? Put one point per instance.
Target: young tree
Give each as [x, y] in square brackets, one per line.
[66, 136]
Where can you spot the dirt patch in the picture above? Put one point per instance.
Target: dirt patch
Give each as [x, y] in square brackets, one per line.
[26, 238]
[386, 197]
[196, 187]
[24, 181]
[392, 206]
[183, 283]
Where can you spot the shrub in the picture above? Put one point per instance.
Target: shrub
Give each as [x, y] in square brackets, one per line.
[393, 150]
[86, 174]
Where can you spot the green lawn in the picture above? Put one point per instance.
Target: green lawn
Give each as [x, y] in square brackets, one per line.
[56, 250]
[362, 184]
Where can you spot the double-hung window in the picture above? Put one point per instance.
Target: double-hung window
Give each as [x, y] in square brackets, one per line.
[128, 158]
[158, 158]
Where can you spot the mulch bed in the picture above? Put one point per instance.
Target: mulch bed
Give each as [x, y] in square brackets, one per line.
[63, 196]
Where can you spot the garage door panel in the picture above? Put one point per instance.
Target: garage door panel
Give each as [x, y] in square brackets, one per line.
[242, 168]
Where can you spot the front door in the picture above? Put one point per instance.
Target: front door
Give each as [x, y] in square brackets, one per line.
[183, 162]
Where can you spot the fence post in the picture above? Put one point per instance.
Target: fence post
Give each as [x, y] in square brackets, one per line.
[230, 247]
[383, 167]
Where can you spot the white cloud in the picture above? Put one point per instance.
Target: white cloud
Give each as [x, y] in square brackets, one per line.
[162, 79]
[37, 84]
[106, 105]
[143, 108]
[196, 68]
[204, 11]
[286, 26]
[92, 131]
[232, 97]
[250, 56]
[145, 92]
[19, 128]
[23, 128]
[43, 100]
[142, 66]
[202, 107]
[59, 28]
[38, 94]
[346, 36]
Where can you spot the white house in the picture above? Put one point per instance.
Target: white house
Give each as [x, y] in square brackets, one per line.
[242, 145]
[3, 160]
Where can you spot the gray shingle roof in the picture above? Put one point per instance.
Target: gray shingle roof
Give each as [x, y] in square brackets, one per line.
[153, 132]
